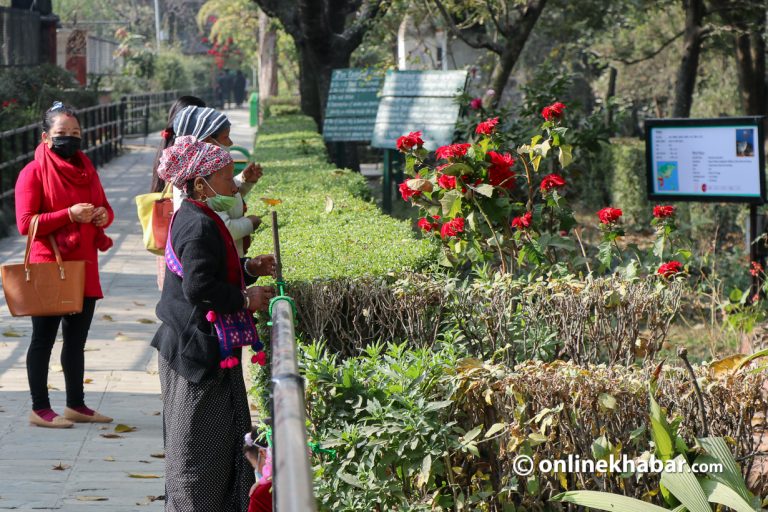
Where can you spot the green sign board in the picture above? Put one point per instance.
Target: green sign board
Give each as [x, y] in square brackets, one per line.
[418, 101]
[353, 101]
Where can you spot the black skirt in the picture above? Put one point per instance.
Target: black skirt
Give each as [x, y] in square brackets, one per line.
[203, 429]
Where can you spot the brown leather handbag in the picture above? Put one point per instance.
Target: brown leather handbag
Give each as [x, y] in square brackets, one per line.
[44, 289]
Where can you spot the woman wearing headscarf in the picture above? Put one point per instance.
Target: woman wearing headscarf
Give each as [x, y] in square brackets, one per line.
[212, 126]
[205, 407]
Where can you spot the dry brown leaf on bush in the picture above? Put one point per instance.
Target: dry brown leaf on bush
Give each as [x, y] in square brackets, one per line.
[726, 365]
[122, 428]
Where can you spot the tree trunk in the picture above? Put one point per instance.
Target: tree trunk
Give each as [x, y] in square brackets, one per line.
[750, 60]
[689, 64]
[513, 47]
[267, 62]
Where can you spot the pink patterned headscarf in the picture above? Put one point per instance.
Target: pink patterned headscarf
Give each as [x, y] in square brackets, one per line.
[189, 158]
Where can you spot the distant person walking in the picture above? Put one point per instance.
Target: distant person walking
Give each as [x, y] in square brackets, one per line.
[61, 189]
[239, 87]
[224, 82]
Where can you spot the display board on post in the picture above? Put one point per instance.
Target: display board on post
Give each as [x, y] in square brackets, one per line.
[353, 99]
[415, 101]
[708, 160]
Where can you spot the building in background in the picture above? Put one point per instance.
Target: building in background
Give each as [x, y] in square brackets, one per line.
[27, 33]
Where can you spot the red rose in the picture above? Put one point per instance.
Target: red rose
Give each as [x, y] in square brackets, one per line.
[662, 212]
[609, 215]
[447, 182]
[551, 181]
[406, 192]
[487, 127]
[452, 151]
[756, 269]
[476, 104]
[408, 142]
[499, 173]
[452, 228]
[553, 111]
[427, 225]
[523, 221]
[204, 40]
[670, 269]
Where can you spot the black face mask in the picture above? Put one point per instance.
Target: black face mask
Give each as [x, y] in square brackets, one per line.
[65, 147]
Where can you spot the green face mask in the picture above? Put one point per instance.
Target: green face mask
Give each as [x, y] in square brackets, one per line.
[219, 203]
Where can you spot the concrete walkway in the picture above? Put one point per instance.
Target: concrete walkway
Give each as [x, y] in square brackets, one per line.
[90, 467]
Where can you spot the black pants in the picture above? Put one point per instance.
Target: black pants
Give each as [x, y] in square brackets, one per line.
[74, 329]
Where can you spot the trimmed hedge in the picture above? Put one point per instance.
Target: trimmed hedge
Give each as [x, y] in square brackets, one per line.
[329, 228]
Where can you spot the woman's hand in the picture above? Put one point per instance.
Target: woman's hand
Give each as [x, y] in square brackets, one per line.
[255, 221]
[252, 173]
[100, 216]
[262, 265]
[259, 297]
[81, 212]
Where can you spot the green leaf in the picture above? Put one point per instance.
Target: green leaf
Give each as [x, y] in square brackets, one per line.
[735, 295]
[456, 169]
[472, 434]
[717, 452]
[536, 161]
[684, 486]
[660, 431]
[485, 190]
[351, 480]
[426, 469]
[566, 155]
[451, 201]
[496, 427]
[606, 401]
[606, 501]
[718, 492]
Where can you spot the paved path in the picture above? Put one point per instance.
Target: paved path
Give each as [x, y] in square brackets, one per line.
[121, 375]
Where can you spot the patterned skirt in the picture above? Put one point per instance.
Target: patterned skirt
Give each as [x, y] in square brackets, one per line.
[203, 429]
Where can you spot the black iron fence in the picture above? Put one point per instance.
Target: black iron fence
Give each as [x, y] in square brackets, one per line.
[103, 130]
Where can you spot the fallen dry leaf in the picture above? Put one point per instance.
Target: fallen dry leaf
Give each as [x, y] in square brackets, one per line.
[150, 499]
[11, 333]
[87, 381]
[111, 436]
[91, 498]
[109, 458]
[108, 318]
[146, 321]
[122, 428]
[160, 455]
[145, 462]
[52, 387]
[143, 475]
[156, 413]
[140, 304]
[60, 467]
[328, 204]
[121, 337]
[57, 368]
[91, 350]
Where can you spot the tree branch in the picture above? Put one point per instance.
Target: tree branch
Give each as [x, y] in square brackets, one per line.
[477, 42]
[654, 53]
[495, 18]
[369, 10]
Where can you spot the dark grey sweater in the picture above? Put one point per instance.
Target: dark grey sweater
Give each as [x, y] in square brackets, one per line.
[185, 338]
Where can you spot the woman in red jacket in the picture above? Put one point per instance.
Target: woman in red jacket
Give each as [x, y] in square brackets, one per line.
[62, 188]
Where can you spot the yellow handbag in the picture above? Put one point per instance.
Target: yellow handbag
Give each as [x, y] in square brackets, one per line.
[147, 207]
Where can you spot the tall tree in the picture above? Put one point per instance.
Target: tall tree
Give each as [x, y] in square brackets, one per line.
[506, 35]
[693, 38]
[325, 32]
[746, 19]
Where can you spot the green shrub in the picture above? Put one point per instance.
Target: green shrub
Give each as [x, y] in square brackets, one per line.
[328, 228]
[628, 187]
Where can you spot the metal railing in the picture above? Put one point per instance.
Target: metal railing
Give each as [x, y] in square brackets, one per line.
[103, 130]
[291, 471]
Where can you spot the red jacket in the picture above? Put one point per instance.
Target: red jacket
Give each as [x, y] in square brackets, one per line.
[29, 201]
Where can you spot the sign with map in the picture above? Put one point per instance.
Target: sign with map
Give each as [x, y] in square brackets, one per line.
[353, 99]
[705, 159]
[418, 101]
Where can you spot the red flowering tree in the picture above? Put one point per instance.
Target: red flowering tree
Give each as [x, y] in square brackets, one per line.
[486, 201]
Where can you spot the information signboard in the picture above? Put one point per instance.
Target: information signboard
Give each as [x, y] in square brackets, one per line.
[717, 159]
[418, 101]
[353, 100]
